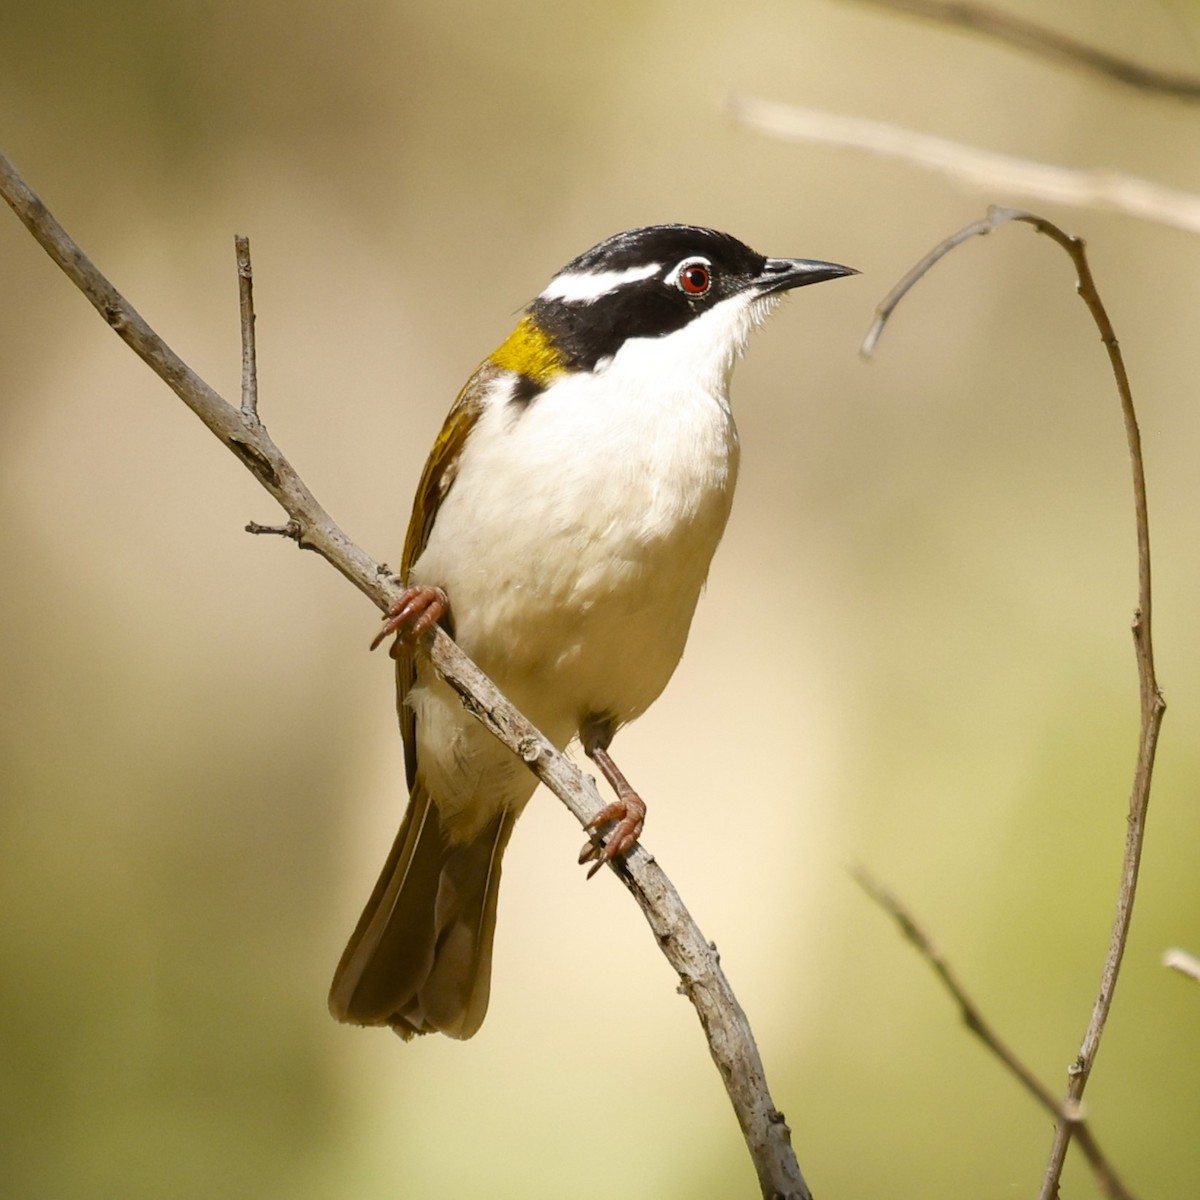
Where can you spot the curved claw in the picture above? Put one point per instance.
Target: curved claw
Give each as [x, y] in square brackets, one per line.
[629, 813]
[413, 614]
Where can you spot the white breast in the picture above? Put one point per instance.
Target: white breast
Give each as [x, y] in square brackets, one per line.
[579, 530]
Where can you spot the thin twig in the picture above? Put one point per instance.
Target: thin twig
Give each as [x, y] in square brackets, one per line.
[977, 1023]
[1152, 705]
[886, 306]
[1046, 43]
[245, 272]
[289, 529]
[1113, 191]
[971, 1015]
[730, 1040]
[1183, 962]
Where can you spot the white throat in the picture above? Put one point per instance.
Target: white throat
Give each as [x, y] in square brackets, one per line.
[701, 355]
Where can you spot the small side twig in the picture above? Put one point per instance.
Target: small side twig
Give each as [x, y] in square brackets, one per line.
[1183, 962]
[1113, 191]
[726, 1028]
[245, 272]
[972, 1016]
[1046, 43]
[290, 529]
[1151, 702]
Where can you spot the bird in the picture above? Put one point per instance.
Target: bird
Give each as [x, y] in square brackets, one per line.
[562, 533]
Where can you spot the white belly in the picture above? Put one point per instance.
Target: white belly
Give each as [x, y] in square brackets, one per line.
[573, 545]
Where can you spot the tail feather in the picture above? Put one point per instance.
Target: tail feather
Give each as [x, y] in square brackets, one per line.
[420, 957]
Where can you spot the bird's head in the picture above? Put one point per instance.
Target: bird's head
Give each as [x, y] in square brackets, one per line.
[678, 298]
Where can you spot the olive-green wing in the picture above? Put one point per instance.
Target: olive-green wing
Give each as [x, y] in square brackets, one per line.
[437, 479]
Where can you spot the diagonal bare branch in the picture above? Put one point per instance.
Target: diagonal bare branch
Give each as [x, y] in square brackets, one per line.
[1111, 191]
[726, 1028]
[981, 1027]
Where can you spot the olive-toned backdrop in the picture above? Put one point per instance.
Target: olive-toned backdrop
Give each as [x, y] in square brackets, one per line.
[913, 654]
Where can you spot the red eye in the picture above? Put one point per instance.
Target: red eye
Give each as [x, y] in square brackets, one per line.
[695, 279]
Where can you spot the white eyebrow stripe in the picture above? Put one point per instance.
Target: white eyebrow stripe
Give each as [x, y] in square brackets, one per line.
[582, 287]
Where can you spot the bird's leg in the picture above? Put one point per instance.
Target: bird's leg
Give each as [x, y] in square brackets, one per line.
[628, 810]
[413, 614]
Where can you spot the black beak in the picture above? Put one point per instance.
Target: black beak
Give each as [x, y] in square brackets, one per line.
[783, 274]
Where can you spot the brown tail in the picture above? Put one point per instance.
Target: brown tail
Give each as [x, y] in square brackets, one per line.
[420, 958]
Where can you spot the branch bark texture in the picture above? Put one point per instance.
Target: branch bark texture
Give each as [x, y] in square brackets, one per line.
[726, 1028]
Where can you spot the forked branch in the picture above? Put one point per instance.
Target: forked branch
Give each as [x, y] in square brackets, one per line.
[1152, 705]
[974, 1019]
[725, 1026]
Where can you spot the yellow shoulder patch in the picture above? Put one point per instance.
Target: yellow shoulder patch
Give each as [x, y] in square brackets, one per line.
[530, 352]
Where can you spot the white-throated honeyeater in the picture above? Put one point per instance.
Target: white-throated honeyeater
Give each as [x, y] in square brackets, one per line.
[561, 533]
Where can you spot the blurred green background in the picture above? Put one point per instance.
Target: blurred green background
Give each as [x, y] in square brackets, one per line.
[913, 654]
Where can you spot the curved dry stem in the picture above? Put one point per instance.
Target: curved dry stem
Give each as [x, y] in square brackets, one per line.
[1046, 43]
[730, 1040]
[1152, 705]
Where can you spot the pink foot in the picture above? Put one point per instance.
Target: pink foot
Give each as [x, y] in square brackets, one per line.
[413, 614]
[629, 812]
